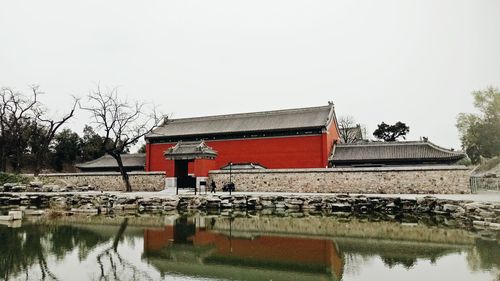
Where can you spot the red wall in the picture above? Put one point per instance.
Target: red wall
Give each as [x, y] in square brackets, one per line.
[272, 153]
[201, 167]
[331, 138]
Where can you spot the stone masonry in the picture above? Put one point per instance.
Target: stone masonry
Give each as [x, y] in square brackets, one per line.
[109, 181]
[462, 214]
[397, 180]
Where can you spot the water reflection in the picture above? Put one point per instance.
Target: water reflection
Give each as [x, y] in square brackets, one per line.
[180, 247]
[29, 246]
[192, 247]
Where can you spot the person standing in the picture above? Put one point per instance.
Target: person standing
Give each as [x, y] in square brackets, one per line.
[213, 186]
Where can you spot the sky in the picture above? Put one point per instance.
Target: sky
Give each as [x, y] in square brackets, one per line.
[387, 60]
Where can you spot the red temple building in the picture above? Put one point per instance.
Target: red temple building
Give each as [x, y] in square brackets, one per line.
[188, 148]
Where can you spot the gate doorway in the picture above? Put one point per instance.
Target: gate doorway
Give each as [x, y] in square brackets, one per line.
[184, 180]
[194, 175]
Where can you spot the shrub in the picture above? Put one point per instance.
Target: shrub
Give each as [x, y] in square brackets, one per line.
[489, 164]
[6, 177]
[464, 161]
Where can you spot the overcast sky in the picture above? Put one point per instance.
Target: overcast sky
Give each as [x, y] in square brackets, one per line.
[410, 61]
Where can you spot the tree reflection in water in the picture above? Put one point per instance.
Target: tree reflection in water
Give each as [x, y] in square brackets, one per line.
[23, 250]
[30, 245]
[112, 264]
[484, 256]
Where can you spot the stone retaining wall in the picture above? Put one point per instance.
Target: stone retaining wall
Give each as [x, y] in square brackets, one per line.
[464, 214]
[398, 180]
[108, 181]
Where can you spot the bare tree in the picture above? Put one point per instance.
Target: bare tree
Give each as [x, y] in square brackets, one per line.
[44, 130]
[350, 132]
[16, 112]
[123, 123]
[24, 121]
[6, 96]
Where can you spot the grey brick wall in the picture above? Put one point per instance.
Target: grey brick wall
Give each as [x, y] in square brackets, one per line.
[109, 181]
[398, 180]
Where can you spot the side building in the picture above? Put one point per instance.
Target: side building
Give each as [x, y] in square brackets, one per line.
[131, 162]
[400, 153]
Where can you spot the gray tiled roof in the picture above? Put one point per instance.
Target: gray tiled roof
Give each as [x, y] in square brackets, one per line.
[301, 118]
[243, 166]
[406, 150]
[106, 161]
[190, 150]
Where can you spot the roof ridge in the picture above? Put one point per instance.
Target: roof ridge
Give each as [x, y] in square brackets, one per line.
[134, 154]
[92, 161]
[397, 143]
[440, 148]
[238, 115]
[319, 117]
[380, 143]
[105, 156]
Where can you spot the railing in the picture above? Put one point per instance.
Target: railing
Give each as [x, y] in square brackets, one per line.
[482, 183]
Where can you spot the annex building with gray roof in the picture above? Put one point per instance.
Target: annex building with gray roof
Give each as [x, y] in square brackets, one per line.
[400, 153]
[106, 163]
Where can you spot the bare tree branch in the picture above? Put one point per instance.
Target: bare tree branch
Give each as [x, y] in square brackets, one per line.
[49, 128]
[16, 113]
[122, 123]
[350, 132]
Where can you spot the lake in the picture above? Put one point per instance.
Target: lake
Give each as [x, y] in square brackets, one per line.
[200, 246]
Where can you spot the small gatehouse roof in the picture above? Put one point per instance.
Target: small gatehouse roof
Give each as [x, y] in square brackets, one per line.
[190, 150]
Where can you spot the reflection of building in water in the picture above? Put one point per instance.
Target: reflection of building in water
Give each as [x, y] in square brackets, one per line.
[253, 257]
[279, 248]
[393, 252]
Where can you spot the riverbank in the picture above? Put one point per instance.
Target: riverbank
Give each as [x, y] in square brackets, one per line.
[467, 213]
[482, 196]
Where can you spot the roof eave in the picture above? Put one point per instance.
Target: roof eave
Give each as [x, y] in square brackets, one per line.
[189, 156]
[451, 158]
[332, 116]
[107, 167]
[236, 132]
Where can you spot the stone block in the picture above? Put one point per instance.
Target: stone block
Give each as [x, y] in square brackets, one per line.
[14, 201]
[226, 205]
[341, 207]
[494, 226]
[93, 211]
[6, 218]
[481, 224]
[18, 188]
[16, 215]
[36, 184]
